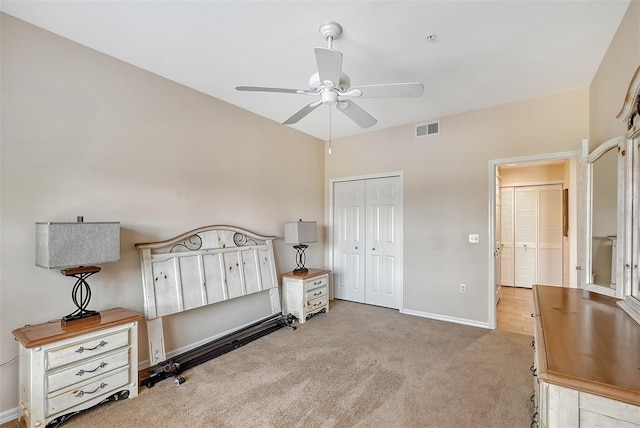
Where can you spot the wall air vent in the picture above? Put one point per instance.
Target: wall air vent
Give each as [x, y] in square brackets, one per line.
[428, 129]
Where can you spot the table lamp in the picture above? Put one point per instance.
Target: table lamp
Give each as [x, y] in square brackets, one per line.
[300, 233]
[77, 248]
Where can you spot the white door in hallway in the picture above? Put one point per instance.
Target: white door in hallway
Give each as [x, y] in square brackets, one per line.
[526, 236]
[367, 241]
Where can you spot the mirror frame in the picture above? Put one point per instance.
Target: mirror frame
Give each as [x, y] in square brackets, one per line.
[630, 114]
[617, 144]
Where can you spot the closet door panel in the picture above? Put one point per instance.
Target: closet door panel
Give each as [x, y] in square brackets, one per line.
[348, 240]
[550, 235]
[526, 230]
[506, 236]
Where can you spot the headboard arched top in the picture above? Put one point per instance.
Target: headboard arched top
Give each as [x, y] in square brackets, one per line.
[208, 237]
[201, 267]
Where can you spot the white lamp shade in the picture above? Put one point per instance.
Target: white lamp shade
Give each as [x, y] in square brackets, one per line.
[61, 245]
[300, 232]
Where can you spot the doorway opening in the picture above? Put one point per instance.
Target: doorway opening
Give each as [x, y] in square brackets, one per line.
[540, 180]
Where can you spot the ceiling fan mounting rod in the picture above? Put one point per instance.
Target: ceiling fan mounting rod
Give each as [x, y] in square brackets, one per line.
[330, 31]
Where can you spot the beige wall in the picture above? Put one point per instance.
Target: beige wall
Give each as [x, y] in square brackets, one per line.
[446, 190]
[85, 134]
[533, 174]
[611, 82]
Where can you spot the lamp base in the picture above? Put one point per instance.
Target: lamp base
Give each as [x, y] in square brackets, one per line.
[82, 319]
[81, 294]
[300, 271]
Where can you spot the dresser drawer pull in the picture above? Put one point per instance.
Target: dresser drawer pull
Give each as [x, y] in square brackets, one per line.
[533, 370]
[101, 386]
[315, 304]
[318, 293]
[82, 372]
[81, 349]
[317, 282]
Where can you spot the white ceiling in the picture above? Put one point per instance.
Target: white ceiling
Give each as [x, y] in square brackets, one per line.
[486, 52]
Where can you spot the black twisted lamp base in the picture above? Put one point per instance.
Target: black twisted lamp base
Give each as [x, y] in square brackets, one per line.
[81, 294]
[301, 258]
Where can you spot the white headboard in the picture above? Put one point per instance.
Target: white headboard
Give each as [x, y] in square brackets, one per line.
[204, 266]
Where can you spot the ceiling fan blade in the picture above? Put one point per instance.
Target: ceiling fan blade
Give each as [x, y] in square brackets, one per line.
[390, 90]
[302, 113]
[356, 113]
[329, 64]
[263, 89]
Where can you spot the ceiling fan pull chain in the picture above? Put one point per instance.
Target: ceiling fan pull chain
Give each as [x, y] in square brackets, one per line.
[329, 129]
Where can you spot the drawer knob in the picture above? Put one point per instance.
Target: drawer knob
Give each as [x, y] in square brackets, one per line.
[81, 349]
[101, 386]
[100, 366]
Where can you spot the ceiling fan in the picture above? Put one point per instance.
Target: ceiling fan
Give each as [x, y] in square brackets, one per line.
[333, 86]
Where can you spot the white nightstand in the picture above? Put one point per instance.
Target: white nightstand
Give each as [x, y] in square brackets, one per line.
[65, 370]
[305, 294]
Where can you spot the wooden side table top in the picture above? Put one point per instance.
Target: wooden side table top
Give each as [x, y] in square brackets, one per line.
[306, 275]
[42, 334]
[586, 342]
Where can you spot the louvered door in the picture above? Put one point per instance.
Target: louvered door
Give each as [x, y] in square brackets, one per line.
[526, 228]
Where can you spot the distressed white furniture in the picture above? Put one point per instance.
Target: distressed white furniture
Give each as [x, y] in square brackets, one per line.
[586, 359]
[66, 370]
[305, 294]
[201, 267]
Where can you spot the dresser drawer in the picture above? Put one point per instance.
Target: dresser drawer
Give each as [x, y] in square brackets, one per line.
[100, 386]
[316, 293]
[320, 281]
[88, 348]
[87, 369]
[317, 303]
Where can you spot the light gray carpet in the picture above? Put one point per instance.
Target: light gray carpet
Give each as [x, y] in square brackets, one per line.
[357, 366]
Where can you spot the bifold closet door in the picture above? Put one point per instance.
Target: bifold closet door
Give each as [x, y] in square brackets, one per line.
[382, 264]
[550, 235]
[537, 235]
[367, 262]
[506, 236]
[526, 235]
[348, 240]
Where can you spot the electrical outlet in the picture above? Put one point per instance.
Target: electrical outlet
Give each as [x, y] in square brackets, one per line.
[463, 288]
[474, 238]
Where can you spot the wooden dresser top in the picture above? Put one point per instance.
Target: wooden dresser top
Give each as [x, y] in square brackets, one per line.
[586, 342]
[45, 333]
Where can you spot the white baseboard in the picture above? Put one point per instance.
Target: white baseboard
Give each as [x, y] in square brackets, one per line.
[9, 415]
[439, 317]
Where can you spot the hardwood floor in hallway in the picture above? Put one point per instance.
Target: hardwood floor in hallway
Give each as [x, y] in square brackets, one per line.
[514, 310]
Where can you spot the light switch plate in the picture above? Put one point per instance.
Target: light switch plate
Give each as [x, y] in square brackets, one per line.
[474, 238]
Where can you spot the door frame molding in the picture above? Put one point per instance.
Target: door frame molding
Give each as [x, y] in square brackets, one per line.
[332, 181]
[493, 164]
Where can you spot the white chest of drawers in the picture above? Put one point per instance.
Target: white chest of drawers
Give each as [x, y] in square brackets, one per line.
[63, 371]
[305, 294]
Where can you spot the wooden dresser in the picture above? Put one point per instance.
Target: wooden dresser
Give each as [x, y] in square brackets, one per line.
[586, 360]
[66, 370]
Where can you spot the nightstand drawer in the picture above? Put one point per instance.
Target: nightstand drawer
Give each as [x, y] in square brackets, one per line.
[87, 369]
[316, 293]
[101, 386]
[316, 282]
[80, 350]
[318, 303]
